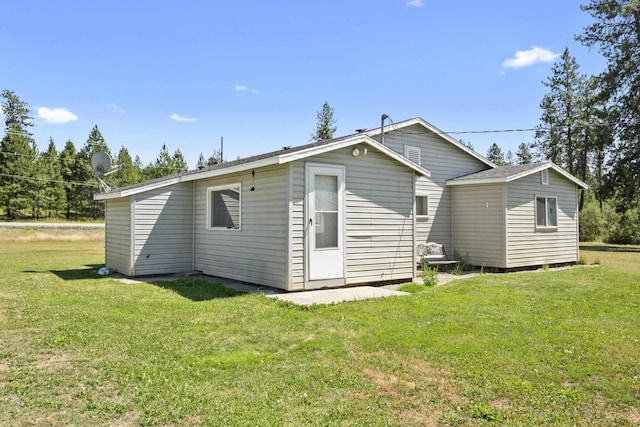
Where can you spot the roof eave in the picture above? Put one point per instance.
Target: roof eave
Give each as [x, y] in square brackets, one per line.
[274, 160]
[454, 182]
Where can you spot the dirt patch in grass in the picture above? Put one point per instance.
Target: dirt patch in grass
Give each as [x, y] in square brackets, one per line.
[53, 362]
[55, 235]
[412, 387]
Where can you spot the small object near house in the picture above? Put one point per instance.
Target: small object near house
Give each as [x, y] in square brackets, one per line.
[432, 253]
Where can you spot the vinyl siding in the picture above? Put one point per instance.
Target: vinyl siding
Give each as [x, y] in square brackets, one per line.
[257, 252]
[528, 246]
[118, 235]
[479, 215]
[444, 161]
[164, 230]
[378, 217]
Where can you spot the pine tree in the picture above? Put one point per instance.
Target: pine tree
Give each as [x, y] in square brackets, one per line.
[325, 127]
[215, 158]
[17, 157]
[494, 153]
[83, 173]
[67, 165]
[179, 162]
[508, 158]
[523, 155]
[129, 173]
[560, 136]
[616, 33]
[201, 162]
[163, 166]
[49, 191]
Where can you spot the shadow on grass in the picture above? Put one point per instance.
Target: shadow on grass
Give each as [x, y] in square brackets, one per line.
[197, 290]
[89, 271]
[610, 248]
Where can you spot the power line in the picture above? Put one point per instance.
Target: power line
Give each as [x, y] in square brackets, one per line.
[32, 178]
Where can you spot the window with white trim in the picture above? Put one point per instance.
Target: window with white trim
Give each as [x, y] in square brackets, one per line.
[224, 207]
[544, 177]
[422, 206]
[412, 153]
[546, 212]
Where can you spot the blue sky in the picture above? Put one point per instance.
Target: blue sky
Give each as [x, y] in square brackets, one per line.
[256, 72]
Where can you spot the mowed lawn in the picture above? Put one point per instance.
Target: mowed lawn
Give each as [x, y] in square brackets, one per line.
[550, 348]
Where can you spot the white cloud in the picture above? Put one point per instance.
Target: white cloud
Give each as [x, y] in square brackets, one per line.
[241, 88]
[179, 118]
[526, 58]
[56, 115]
[415, 3]
[116, 108]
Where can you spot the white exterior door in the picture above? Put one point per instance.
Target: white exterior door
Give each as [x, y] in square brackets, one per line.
[325, 222]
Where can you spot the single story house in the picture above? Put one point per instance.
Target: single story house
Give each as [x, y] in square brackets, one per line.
[343, 212]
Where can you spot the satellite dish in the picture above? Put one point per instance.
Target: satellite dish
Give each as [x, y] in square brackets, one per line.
[100, 163]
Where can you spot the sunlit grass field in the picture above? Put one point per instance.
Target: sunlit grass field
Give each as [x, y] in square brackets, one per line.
[550, 348]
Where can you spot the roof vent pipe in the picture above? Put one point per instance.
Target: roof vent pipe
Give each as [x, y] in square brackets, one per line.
[384, 116]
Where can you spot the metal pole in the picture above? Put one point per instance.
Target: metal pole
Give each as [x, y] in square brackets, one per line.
[384, 116]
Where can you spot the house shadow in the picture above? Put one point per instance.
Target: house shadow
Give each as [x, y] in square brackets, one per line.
[610, 248]
[89, 271]
[197, 290]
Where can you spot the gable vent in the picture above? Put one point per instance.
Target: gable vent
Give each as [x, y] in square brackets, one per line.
[413, 154]
[544, 177]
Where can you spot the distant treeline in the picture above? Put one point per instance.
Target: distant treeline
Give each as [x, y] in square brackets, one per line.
[50, 184]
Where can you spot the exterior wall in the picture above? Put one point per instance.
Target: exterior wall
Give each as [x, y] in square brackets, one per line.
[444, 161]
[258, 251]
[378, 219]
[528, 246]
[118, 235]
[164, 230]
[479, 223]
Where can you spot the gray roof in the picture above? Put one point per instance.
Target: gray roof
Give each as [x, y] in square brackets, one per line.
[275, 157]
[511, 173]
[500, 172]
[236, 162]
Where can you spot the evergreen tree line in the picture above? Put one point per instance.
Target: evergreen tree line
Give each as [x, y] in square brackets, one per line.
[590, 125]
[50, 184]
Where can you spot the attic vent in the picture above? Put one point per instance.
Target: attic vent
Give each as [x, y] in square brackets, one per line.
[544, 177]
[412, 153]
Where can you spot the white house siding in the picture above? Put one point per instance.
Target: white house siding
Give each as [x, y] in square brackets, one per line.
[257, 252]
[118, 235]
[164, 230]
[444, 161]
[528, 246]
[378, 221]
[478, 217]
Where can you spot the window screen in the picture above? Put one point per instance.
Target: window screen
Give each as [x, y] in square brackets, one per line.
[422, 205]
[546, 211]
[224, 208]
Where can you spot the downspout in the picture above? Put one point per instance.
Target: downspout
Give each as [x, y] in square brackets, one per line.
[453, 247]
[193, 225]
[132, 236]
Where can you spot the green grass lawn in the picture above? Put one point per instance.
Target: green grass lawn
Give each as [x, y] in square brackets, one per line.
[541, 348]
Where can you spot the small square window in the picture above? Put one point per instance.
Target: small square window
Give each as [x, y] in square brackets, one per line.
[422, 206]
[546, 212]
[223, 210]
